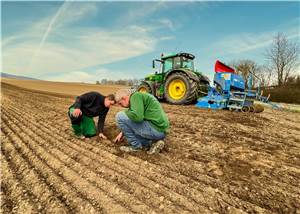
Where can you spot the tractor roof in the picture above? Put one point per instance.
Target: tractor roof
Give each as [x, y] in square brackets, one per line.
[172, 55]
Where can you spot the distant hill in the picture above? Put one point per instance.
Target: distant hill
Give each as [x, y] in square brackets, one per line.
[6, 75]
[61, 88]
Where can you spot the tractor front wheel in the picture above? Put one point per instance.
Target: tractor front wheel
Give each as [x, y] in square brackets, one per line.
[144, 88]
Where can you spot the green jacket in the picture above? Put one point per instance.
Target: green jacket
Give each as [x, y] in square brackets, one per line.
[144, 106]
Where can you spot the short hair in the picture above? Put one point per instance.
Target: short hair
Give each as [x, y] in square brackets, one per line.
[111, 97]
[122, 93]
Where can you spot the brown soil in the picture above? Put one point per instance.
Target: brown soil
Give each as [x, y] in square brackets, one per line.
[62, 88]
[214, 162]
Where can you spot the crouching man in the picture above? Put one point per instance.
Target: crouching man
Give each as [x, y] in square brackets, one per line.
[86, 107]
[144, 123]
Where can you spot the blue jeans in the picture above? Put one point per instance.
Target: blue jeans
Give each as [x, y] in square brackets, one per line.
[138, 135]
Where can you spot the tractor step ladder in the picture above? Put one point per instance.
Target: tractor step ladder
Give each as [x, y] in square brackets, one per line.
[237, 100]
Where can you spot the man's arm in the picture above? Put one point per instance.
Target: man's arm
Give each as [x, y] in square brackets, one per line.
[119, 138]
[101, 121]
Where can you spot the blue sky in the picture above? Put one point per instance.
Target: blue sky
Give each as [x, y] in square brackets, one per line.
[90, 41]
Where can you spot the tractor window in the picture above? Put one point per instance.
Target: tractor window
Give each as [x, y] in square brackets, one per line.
[177, 63]
[167, 65]
[187, 63]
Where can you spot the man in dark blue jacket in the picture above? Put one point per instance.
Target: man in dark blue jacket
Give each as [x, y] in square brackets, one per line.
[87, 106]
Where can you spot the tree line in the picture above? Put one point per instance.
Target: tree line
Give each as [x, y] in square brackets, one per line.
[281, 66]
[126, 82]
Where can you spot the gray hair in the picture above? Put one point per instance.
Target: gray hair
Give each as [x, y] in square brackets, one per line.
[122, 93]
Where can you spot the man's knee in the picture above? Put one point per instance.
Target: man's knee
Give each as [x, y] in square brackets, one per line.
[121, 117]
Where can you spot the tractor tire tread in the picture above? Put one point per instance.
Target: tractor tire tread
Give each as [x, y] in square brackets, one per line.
[145, 85]
[192, 93]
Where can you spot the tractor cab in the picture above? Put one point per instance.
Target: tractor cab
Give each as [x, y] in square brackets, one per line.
[175, 61]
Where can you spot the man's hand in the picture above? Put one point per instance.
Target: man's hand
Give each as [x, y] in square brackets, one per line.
[101, 135]
[77, 112]
[118, 138]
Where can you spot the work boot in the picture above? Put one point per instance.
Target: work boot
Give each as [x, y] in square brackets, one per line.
[156, 147]
[128, 149]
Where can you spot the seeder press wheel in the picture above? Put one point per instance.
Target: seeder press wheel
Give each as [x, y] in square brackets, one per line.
[246, 109]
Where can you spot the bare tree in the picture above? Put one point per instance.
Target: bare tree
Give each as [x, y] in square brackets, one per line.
[266, 76]
[283, 58]
[104, 81]
[245, 67]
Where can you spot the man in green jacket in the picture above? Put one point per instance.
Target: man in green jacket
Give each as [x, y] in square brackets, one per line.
[144, 123]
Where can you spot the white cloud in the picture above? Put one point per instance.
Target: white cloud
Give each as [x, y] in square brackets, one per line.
[88, 77]
[93, 47]
[141, 10]
[74, 76]
[168, 23]
[165, 38]
[237, 44]
[74, 11]
[69, 49]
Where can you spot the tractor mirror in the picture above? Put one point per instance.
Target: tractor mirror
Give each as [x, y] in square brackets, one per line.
[153, 64]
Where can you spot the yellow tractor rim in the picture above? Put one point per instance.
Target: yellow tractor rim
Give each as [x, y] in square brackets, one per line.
[177, 89]
[143, 90]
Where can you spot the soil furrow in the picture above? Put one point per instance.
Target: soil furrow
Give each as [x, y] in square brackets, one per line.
[156, 182]
[35, 188]
[253, 203]
[200, 172]
[102, 171]
[15, 198]
[214, 192]
[131, 174]
[97, 197]
[59, 152]
[52, 178]
[214, 161]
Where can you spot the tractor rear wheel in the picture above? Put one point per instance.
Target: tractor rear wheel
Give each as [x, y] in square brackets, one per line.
[144, 88]
[180, 89]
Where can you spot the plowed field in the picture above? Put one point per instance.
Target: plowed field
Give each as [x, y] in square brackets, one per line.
[214, 162]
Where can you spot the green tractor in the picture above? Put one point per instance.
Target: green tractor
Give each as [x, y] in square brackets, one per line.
[177, 82]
